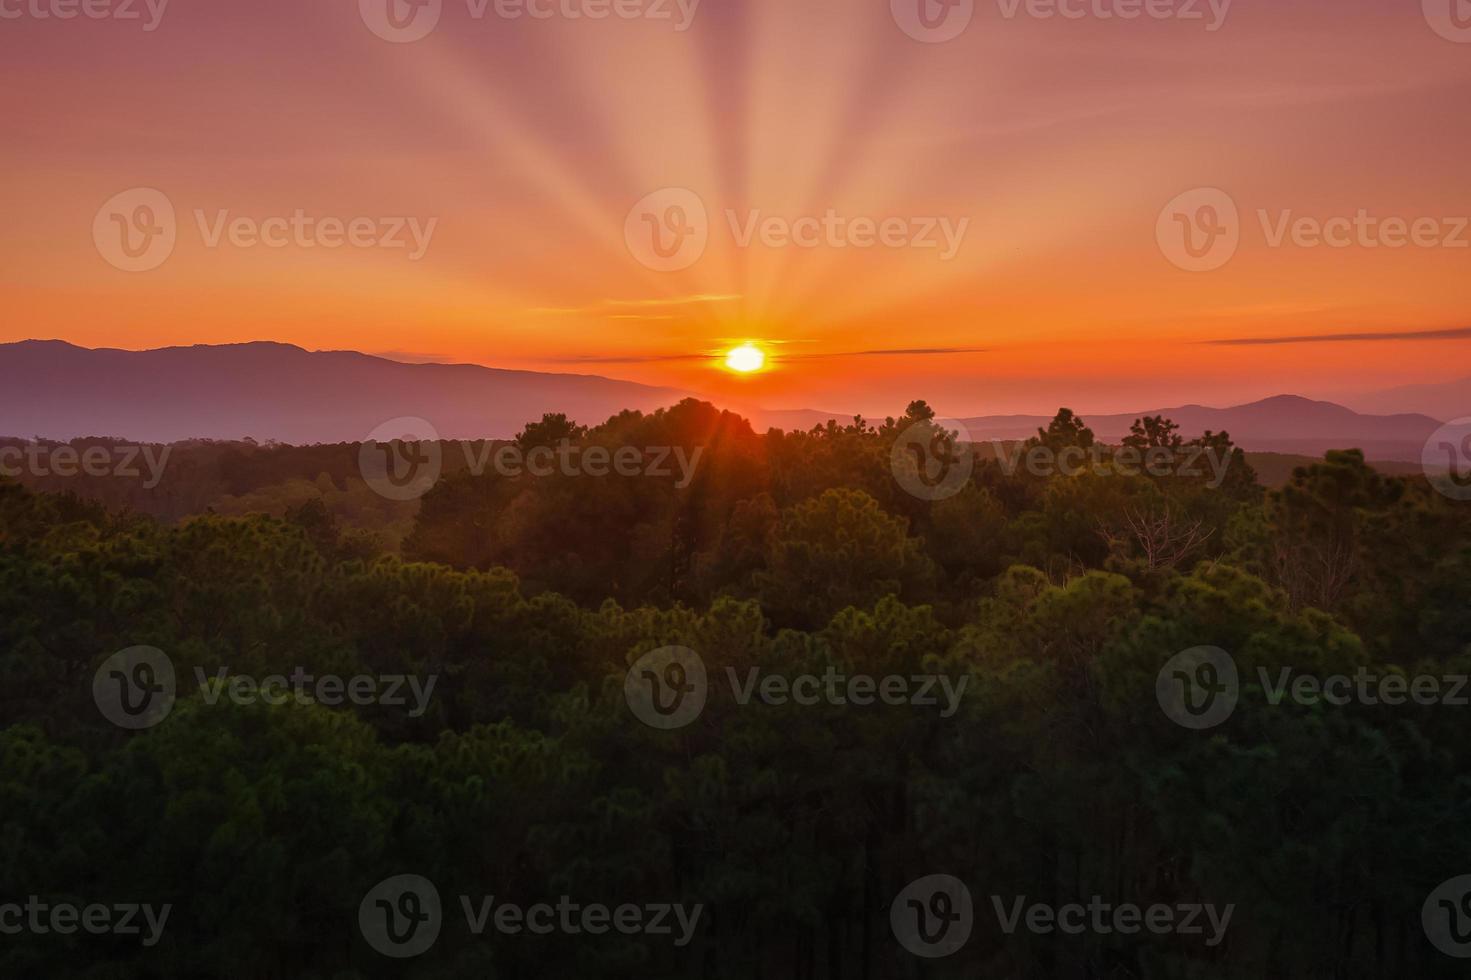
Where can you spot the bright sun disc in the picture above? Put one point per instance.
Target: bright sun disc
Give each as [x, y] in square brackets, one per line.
[745, 359]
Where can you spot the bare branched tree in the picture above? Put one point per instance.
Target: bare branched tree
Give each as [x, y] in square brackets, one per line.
[1316, 573]
[1162, 539]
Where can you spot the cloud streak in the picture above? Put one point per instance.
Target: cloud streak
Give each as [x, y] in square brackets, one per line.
[712, 355]
[897, 352]
[1457, 333]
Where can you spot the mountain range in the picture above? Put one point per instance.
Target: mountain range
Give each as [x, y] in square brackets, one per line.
[1282, 424]
[1448, 400]
[271, 391]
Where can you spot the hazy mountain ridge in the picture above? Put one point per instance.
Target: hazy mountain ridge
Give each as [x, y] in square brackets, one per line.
[1282, 424]
[272, 391]
[1447, 400]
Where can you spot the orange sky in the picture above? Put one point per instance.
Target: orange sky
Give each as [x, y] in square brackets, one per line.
[1057, 141]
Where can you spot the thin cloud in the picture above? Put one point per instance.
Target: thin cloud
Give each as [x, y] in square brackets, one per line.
[1456, 333]
[629, 358]
[409, 357]
[658, 358]
[899, 352]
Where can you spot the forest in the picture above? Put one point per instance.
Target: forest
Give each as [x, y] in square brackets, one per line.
[884, 688]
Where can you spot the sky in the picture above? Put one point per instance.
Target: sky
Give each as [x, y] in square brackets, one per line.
[982, 203]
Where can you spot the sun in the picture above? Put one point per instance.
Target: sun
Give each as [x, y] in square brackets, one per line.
[745, 359]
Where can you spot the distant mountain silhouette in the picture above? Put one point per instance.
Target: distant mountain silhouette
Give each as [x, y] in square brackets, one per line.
[1448, 401]
[270, 391]
[1283, 424]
